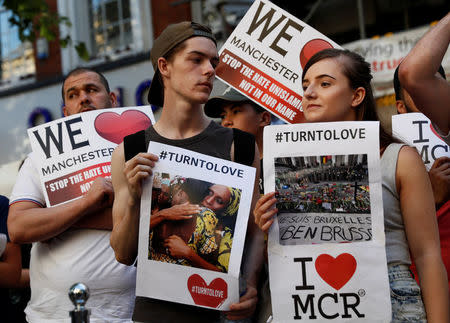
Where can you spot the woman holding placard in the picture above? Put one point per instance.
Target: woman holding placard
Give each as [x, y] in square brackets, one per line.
[336, 85]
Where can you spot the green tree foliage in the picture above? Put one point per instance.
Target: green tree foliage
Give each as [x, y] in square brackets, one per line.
[34, 19]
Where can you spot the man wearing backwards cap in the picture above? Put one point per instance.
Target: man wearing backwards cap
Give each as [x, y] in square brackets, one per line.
[238, 111]
[184, 58]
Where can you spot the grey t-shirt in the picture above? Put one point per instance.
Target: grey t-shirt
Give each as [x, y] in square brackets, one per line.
[397, 250]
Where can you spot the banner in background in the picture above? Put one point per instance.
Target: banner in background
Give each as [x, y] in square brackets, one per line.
[385, 53]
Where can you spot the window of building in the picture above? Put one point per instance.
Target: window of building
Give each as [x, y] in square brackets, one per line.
[110, 21]
[16, 57]
[110, 29]
[224, 16]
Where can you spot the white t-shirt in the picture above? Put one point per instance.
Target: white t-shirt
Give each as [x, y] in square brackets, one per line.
[77, 255]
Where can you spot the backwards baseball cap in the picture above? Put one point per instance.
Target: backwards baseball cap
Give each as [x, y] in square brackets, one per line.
[213, 108]
[172, 36]
[398, 86]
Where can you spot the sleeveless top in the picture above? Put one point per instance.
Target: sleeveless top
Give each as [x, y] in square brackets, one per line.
[397, 250]
[214, 141]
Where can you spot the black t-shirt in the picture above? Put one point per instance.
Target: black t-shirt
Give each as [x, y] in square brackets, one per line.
[4, 207]
[13, 300]
[214, 141]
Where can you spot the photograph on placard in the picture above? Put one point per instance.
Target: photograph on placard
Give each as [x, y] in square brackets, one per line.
[191, 216]
[323, 199]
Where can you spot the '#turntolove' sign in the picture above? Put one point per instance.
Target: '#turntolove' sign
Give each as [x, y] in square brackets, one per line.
[326, 248]
[264, 57]
[194, 214]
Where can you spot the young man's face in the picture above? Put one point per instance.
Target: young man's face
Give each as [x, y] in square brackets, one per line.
[241, 116]
[190, 74]
[85, 92]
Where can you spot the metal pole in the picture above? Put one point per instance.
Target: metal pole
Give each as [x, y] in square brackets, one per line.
[79, 294]
[362, 24]
[312, 11]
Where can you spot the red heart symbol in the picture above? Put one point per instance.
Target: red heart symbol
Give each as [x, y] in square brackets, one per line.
[336, 272]
[113, 126]
[212, 295]
[312, 47]
[434, 131]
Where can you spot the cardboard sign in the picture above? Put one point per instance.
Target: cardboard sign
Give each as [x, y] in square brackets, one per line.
[264, 58]
[72, 152]
[328, 235]
[193, 258]
[416, 130]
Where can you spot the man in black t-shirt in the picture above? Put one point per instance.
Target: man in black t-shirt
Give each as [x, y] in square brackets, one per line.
[184, 58]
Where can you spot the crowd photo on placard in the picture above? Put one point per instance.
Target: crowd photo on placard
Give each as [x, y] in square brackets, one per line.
[323, 184]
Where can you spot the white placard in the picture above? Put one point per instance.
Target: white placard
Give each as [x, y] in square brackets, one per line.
[416, 130]
[264, 58]
[326, 246]
[163, 275]
[71, 152]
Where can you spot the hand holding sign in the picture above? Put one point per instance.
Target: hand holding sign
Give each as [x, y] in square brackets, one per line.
[100, 195]
[199, 242]
[265, 211]
[137, 169]
[246, 306]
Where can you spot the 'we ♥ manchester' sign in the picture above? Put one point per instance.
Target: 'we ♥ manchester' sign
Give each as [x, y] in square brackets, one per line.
[265, 55]
[71, 152]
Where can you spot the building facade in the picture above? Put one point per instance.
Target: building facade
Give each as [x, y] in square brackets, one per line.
[119, 34]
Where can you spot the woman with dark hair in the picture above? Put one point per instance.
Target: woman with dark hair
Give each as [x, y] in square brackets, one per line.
[224, 201]
[336, 85]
